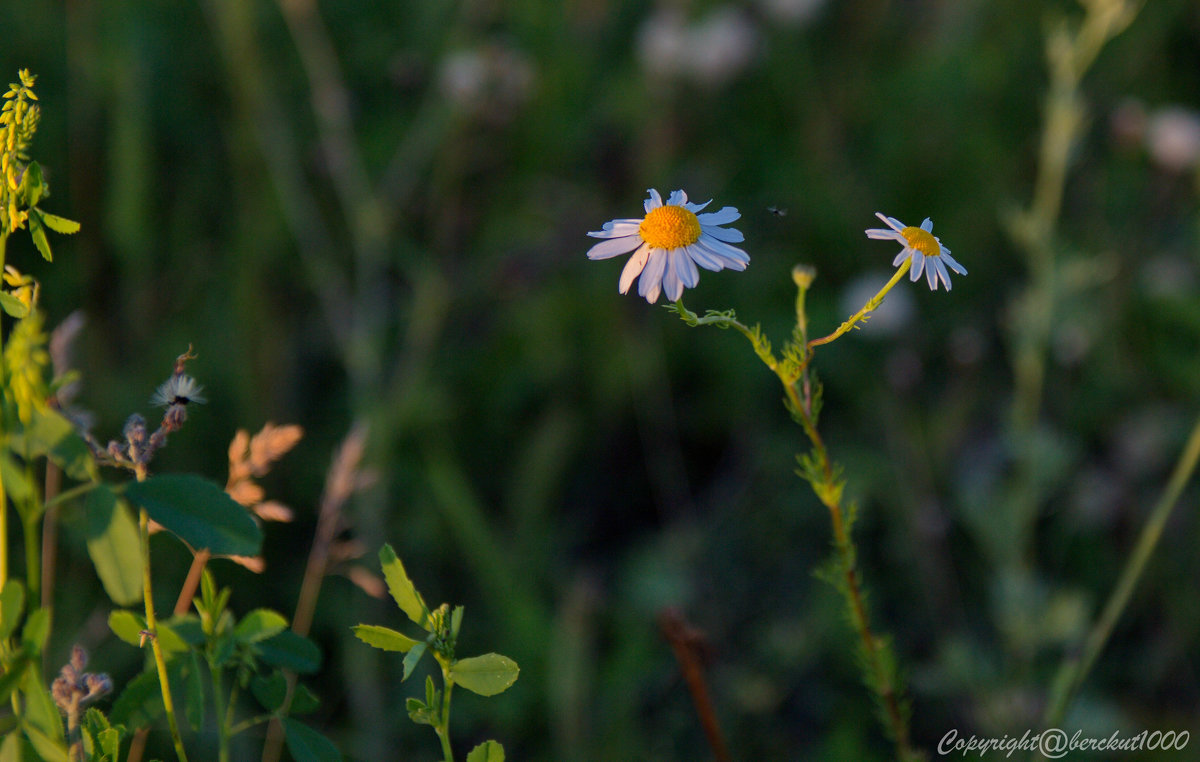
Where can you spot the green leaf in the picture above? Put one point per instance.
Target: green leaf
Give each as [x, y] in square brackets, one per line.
[40, 710]
[419, 712]
[38, 234]
[36, 630]
[110, 742]
[16, 481]
[13, 306]
[411, 658]
[114, 545]
[384, 638]
[127, 626]
[307, 745]
[46, 747]
[12, 606]
[12, 678]
[486, 675]
[304, 701]
[259, 625]
[188, 628]
[198, 512]
[34, 184]
[488, 751]
[270, 691]
[52, 435]
[402, 589]
[59, 224]
[140, 704]
[291, 651]
[10, 750]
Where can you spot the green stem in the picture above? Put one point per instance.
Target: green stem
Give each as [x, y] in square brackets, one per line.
[1077, 666]
[443, 726]
[871, 305]
[219, 708]
[152, 625]
[71, 494]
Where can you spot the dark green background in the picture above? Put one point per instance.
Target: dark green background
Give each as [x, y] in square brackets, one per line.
[567, 462]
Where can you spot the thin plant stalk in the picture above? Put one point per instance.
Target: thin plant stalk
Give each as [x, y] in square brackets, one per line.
[3, 493]
[442, 728]
[152, 627]
[1076, 667]
[792, 372]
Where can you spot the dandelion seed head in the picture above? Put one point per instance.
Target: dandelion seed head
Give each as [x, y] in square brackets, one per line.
[179, 389]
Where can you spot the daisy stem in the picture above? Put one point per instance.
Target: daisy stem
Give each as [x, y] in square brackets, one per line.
[870, 306]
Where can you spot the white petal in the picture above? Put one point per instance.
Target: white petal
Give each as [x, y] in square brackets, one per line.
[650, 284]
[954, 265]
[705, 258]
[723, 217]
[617, 228]
[633, 267]
[918, 265]
[729, 235]
[891, 222]
[685, 268]
[614, 246]
[716, 256]
[904, 254]
[880, 234]
[654, 202]
[941, 268]
[931, 274]
[672, 284]
[693, 208]
[725, 250]
[927, 225]
[678, 198]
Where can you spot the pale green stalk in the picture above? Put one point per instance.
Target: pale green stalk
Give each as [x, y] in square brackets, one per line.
[794, 378]
[152, 626]
[443, 727]
[872, 304]
[1076, 666]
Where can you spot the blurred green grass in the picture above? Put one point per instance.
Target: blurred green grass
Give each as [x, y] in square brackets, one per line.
[565, 461]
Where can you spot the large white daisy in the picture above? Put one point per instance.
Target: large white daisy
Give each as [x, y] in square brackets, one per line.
[668, 243]
[927, 251]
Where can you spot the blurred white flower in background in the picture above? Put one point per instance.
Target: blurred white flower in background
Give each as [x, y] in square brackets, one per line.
[794, 12]
[490, 80]
[891, 317]
[709, 52]
[1173, 138]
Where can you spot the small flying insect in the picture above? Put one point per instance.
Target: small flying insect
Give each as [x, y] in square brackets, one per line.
[777, 211]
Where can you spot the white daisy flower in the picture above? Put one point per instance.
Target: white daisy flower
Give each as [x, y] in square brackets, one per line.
[179, 389]
[668, 243]
[927, 252]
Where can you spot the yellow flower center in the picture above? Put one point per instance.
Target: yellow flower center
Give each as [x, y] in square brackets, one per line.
[922, 240]
[670, 227]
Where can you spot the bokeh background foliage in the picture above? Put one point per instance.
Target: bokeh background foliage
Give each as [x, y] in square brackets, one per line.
[377, 211]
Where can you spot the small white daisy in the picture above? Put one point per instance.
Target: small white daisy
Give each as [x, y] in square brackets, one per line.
[668, 243]
[927, 252]
[179, 389]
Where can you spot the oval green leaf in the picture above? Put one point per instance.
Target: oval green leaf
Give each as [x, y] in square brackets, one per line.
[402, 589]
[198, 512]
[291, 651]
[259, 625]
[307, 745]
[486, 675]
[488, 751]
[384, 638]
[113, 544]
